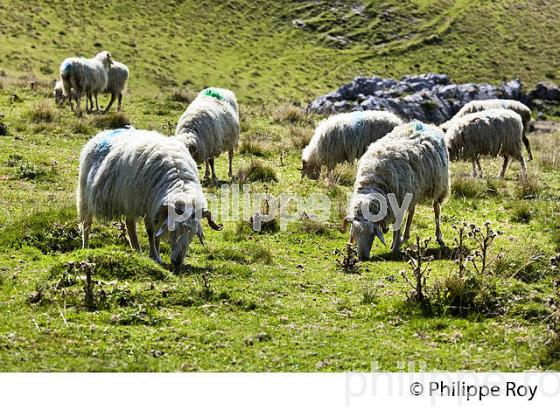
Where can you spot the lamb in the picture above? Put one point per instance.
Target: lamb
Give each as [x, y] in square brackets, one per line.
[482, 105]
[85, 76]
[412, 164]
[344, 138]
[59, 95]
[116, 83]
[493, 133]
[210, 126]
[142, 174]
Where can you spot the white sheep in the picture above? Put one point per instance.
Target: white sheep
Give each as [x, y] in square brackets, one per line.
[482, 105]
[117, 77]
[486, 133]
[344, 138]
[141, 174]
[412, 159]
[59, 95]
[84, 76]
[210, 126]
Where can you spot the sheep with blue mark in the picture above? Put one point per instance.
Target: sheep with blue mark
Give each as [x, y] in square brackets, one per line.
[412, 164]
[344, 138]
[483, 105]
[142, 174]
[210, 126]
[487, 133]
[82, 76]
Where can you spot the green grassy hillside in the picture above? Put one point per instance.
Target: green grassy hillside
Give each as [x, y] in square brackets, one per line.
[255, 48]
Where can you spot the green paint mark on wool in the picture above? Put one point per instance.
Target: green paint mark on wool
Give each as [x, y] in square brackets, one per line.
[212, 92]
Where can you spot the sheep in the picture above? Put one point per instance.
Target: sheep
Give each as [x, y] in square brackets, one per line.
[142, 174]
[514, 105]
[210, 126]
[344, 138]
[411, 163]
[116, 83]
[85, 76]
[493, 133]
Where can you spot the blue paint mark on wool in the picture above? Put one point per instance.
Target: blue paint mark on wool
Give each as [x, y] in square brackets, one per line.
[421, 128]
[66, 66]
[104, 146]
[357, 119]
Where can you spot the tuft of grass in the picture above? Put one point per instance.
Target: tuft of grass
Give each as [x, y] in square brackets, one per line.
[467, 187]
[43, 111]
[528, 188]
[257, 171]
[522, 212]
[27, 170]
[290, 113]
[112, 120]
[299, 136]
[182, 95]
[343, 174]
[251, 145]
[109, 264]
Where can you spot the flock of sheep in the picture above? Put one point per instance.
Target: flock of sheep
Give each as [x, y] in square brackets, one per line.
[142, 174]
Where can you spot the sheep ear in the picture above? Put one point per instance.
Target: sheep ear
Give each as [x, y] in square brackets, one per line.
[379, 234]
[162, 230]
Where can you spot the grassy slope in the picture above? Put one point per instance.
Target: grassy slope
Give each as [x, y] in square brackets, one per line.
[252, 46]
[313, 315]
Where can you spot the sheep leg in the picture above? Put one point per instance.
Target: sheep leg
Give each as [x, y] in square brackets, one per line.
[132, 234]
[479, 167]
[406, 235]
[504, 167]
[86, 229]
[110, 104]
[396, 245]
[211, 162]
[230, 169]
[437, 214]
[523, 167]
[206, 171]
[96, 102]
[474, 173]
[154, 242]
[119, 103]
[526, 142]
[70, 102]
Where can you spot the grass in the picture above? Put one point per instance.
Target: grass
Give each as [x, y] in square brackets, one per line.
[276, 300]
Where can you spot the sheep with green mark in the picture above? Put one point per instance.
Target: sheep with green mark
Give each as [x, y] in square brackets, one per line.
[210, 126]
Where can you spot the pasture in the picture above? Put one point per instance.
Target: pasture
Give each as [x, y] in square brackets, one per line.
[256, 301]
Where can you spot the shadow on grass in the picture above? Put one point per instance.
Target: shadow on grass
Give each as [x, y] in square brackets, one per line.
[439, 253]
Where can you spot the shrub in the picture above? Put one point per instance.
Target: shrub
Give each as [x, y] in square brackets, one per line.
[257, 171]
[348, 262]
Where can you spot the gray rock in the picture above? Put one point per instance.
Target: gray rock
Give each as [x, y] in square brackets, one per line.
[429, 97]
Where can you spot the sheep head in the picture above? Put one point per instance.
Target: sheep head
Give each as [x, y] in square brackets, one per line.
[105, 58]
[310, 170]
[180, 225]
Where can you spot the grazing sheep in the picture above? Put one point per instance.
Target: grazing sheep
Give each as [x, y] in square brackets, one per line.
[142, 174]
[117, 77]
[486, 133]
[210, 126]
[85, 76]
[344, 138]
[412, 159]
[514, 105]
